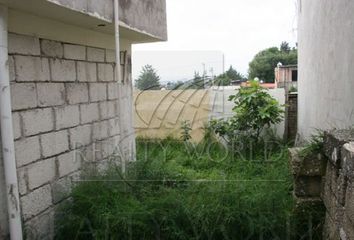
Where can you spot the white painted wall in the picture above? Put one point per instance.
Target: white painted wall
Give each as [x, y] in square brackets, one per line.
[222, 108]
[326, 65]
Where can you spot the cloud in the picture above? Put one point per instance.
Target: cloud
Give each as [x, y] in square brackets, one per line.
[237, 28]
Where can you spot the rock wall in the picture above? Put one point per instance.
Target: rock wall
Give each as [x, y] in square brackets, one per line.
[328, 179]
[308, 170]
[338, 189]
[66, 118]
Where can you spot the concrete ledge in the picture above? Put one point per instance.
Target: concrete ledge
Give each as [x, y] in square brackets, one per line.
[313, 164]
[333, 142]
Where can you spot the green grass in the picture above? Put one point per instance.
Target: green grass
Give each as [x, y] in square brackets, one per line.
[178, 190]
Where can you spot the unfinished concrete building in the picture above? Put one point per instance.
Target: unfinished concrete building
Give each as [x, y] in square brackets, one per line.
[70, 105]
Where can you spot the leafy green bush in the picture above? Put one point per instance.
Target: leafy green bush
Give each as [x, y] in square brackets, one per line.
[255, 110]
[173, 192]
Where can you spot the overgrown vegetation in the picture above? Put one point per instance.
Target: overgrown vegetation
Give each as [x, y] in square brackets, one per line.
[182, 190]
[177, 192]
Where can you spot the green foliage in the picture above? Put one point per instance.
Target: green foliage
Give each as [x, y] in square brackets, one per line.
[186, 131]
[315, 145]
[226, 78]
[292, 89]
[174, 192]
[305, 214]
[208, 133]
[255, 110]
[176, 85]
[284, 47]
[197, 82]
[148, 79]
[222, 80]
[264, 63]
[233, 74]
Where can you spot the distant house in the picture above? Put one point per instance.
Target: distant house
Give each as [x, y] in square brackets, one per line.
[286, 76]
[236, 82]
[264, 85]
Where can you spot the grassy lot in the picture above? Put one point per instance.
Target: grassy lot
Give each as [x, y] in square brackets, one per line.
[178, 190]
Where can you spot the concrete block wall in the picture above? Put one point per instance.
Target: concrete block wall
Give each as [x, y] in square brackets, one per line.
[66, 117]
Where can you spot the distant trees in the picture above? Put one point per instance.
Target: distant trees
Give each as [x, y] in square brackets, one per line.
[284, 47]
[226, 78]
[175, 85]
[222, 80]
[148, 79]
[233, 74]
[264, 63]
[198, 81]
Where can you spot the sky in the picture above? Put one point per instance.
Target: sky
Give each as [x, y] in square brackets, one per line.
[201, 32]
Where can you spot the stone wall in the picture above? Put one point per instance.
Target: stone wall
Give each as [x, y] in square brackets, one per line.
[329, 179]
[66, 117]
[338, 189]
[308, 170]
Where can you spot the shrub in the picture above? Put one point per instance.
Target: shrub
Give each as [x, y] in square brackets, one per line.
[255, 110]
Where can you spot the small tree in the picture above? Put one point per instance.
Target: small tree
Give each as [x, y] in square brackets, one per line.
[148, 79]
[255, 109]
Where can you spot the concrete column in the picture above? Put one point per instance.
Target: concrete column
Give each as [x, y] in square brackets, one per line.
[7, 135]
